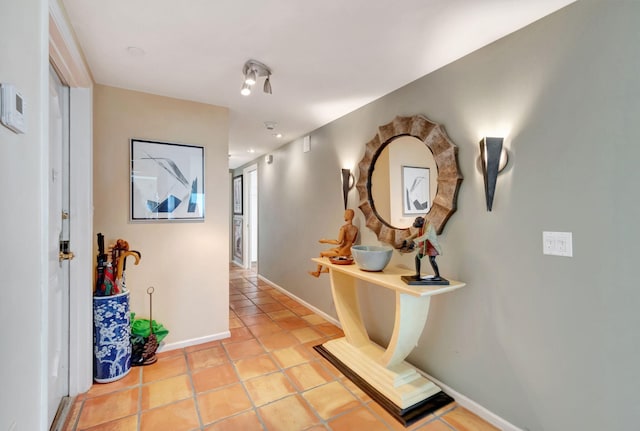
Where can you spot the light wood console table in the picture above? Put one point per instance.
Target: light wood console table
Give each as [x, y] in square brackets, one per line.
[383, 373]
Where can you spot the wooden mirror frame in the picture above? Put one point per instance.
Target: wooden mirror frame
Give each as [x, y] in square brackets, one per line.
[445, 154]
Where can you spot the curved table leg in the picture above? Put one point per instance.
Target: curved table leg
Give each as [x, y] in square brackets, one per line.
[410, 319]
[345, 298]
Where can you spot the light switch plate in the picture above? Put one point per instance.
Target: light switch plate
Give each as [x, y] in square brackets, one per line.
[306, 144]
[557, 243]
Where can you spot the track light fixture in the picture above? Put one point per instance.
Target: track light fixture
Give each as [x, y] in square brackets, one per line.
[253, 70]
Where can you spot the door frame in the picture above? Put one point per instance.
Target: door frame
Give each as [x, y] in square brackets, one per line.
[247, 232]
[67, 59]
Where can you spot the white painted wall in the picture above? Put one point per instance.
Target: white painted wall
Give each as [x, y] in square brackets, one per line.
[23, 263]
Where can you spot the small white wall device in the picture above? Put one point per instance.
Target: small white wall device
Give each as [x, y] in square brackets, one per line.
[12, 108]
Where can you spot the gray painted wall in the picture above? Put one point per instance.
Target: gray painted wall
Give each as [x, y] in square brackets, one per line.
[547, 343]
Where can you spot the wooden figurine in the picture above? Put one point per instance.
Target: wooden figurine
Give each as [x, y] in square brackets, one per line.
[346, 237]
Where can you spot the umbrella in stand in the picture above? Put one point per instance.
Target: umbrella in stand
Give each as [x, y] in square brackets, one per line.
[122, 265]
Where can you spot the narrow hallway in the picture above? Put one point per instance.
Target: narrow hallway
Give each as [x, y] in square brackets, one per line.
[266, 376]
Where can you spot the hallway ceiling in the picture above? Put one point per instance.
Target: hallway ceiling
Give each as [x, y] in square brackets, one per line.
[328, 57]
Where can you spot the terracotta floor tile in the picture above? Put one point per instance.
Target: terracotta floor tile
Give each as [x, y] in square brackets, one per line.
[247, 311]
[288, 414]
[463, 420]
[166, 367]
[244, 349]
[291, 356]
[306, 334]
[207, 358]
[291, 323]
[331, 399]
[243, 422]
[234, 305]
[278, 340]
[166, 391]
[393, 422]
[170, 353]
[314, 319]
[210, 378]
[236, 297]
[265, 298]
[74, 413]
[129, 423]
[131, 379]
[301, 310]
[265, 389]
[435, 425]
[180, 416]
[355, 390]
[108, 407]
[271, 307]
[442, 410]
[203, 346]
[255, 366]
[329, 329]
[279, 315]
[238, 334]
[359, 419]
[235, 323]
[264, 329]
[221, 403]
[256, 319]
[308, 375]
[258, 294]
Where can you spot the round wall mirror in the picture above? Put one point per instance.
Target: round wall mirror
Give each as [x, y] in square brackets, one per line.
[409, 169]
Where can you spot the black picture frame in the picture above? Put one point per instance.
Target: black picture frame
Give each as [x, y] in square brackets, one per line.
[237, 195]
[167, 181]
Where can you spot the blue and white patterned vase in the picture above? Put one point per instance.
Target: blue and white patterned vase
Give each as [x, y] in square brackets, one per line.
[111, 337]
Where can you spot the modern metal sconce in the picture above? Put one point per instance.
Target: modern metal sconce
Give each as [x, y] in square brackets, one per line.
[493, 158]
[347, 184]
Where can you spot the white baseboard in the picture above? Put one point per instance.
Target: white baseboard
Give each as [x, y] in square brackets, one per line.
[321, 313]
[473, 406]
[462, 400]
[194, 341]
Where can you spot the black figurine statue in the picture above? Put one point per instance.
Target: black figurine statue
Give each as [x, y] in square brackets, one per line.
[426, 241]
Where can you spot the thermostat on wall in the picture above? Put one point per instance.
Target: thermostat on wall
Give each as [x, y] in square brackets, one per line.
[13, 108]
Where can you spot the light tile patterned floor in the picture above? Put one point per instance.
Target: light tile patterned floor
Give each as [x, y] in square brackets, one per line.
[265, 377]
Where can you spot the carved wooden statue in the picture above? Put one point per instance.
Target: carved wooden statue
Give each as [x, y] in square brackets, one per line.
[346, 237]
[425, 240]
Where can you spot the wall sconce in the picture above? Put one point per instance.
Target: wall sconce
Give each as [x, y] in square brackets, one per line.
[494, 159]
[253, 70]
[348, 181]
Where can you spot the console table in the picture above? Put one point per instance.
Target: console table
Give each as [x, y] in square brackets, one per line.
[383, 373]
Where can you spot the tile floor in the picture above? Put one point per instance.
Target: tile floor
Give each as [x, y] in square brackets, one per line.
[265, 377]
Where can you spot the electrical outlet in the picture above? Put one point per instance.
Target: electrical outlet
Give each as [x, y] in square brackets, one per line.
[557, 243]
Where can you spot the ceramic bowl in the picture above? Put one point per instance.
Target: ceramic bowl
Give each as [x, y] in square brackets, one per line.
[371, 257]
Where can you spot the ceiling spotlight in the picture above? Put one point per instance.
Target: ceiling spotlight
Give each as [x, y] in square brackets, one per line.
[253, 70]
[250, 77]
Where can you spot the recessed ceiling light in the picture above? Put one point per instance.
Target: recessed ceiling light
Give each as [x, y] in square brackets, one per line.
[135, 51]
[251, 150]
[278, 135]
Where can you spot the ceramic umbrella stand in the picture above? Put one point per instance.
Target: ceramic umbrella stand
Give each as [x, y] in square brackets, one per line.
[111, 337]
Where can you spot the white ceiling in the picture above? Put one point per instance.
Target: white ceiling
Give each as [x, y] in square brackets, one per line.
[328, 57]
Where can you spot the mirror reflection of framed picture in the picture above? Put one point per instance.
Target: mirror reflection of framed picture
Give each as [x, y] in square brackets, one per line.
[237, 238]
[237, 195]
[415, 191]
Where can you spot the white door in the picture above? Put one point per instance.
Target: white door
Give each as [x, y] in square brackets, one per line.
[58, 285]
[251, 216]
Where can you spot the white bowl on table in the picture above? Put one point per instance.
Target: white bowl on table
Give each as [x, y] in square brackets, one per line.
[371, 257]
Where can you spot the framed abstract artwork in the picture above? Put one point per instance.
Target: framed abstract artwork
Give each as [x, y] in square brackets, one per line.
[237, 195]
[415, 190]
[237, 238]
[167, 181]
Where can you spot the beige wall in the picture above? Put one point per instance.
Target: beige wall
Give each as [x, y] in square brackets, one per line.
[186, 262]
